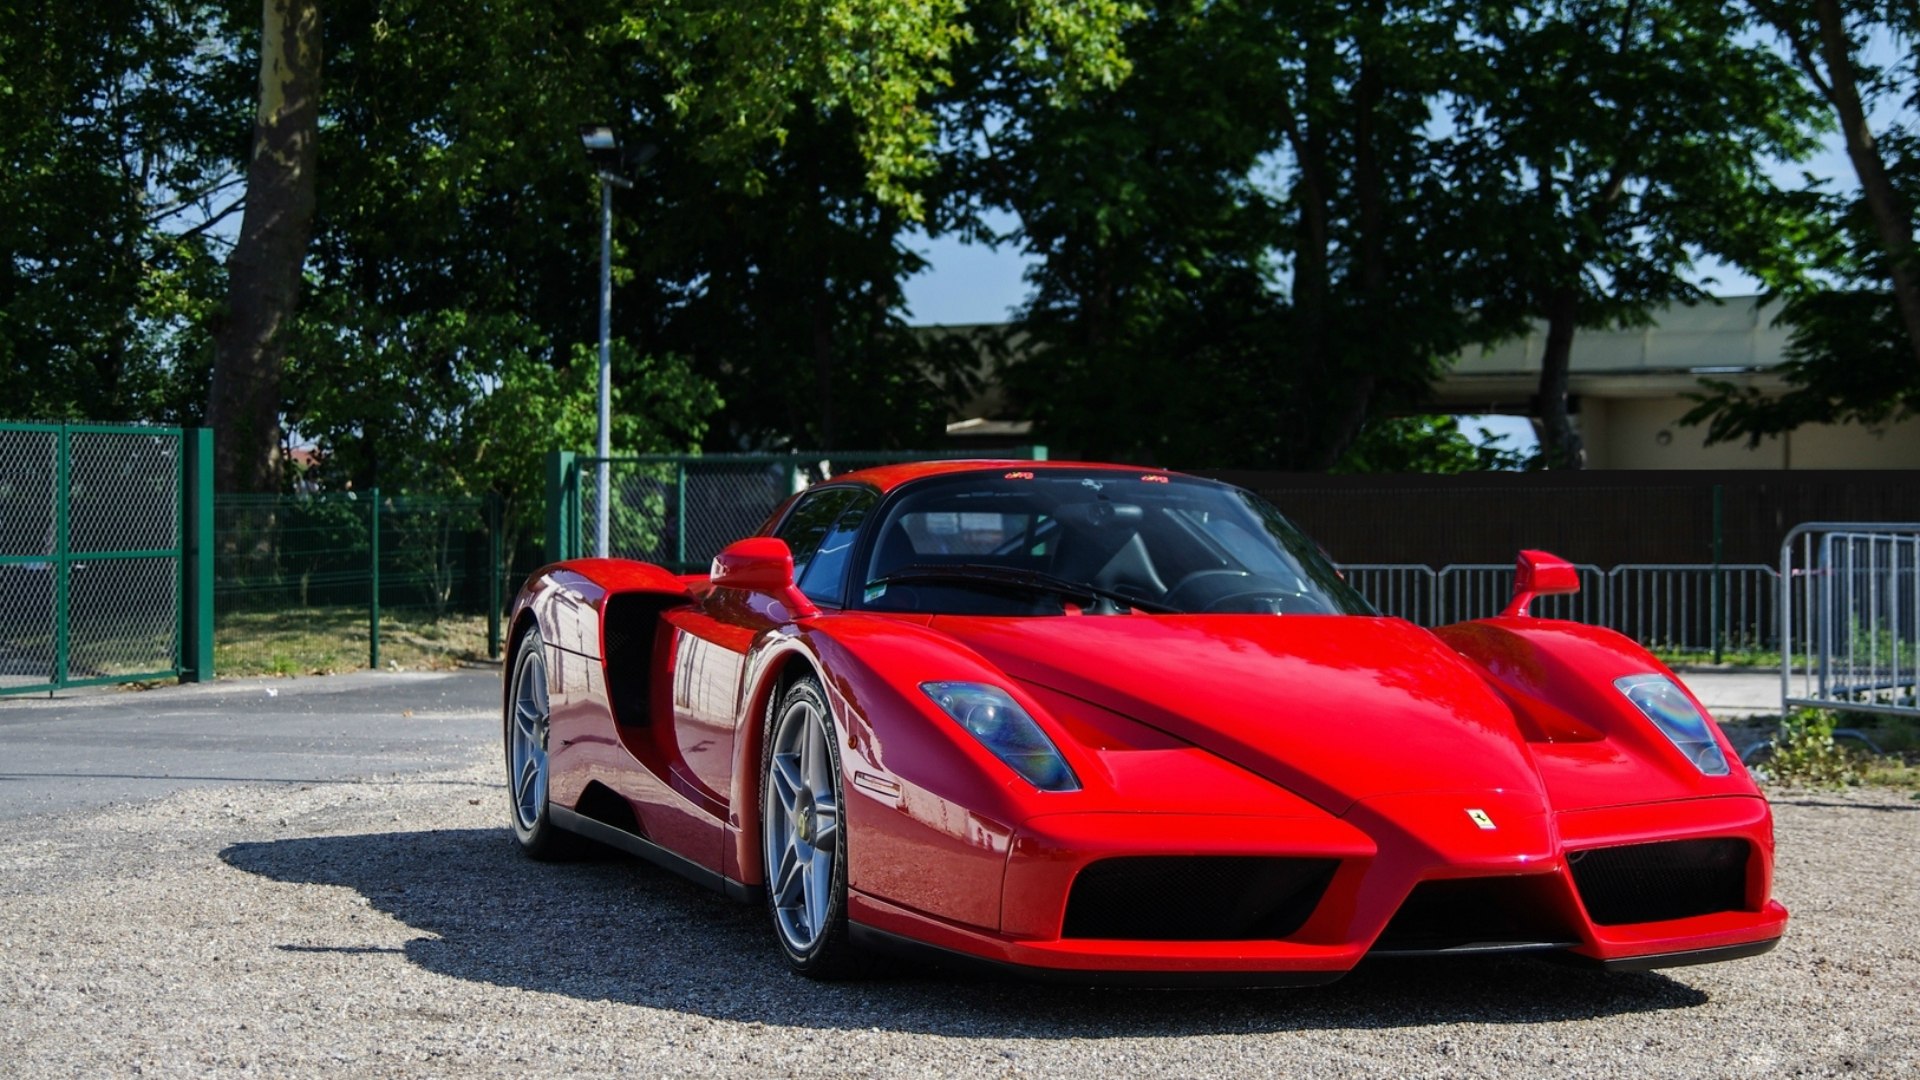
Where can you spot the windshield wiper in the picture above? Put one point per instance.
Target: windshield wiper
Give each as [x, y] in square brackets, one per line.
[1015, 578]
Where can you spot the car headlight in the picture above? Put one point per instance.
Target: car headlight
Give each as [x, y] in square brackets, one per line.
[1675, 715]
[1003, 727]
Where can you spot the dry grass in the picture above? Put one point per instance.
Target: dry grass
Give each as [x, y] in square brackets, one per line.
[322, 641]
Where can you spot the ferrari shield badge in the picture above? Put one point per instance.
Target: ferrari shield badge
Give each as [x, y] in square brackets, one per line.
[1481, 819]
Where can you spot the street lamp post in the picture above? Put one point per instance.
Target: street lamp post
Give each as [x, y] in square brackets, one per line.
[603, 149]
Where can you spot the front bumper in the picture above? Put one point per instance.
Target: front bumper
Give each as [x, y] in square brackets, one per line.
[1403, 866]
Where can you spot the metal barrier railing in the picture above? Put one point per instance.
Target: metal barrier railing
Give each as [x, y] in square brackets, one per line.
[1850, 623]
[1407, 591]
[1696, 608]
[1700, 608]
[1482, 590]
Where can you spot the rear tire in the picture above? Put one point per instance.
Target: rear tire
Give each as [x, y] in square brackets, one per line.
[526, 724]
[804, 837]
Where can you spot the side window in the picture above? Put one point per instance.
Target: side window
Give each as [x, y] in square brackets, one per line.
[825, 578]
[809, 523]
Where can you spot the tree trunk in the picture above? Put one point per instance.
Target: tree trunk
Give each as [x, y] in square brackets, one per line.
[1560, 444]
[1350, 415]
[243, 401]
[1312, 276]
[1890, 219]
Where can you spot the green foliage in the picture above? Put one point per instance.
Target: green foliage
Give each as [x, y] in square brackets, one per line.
[742, 73]
[1849, 357]
[1806, 755]
[115, 125]
[1426, 444]
[1610, 145]
[1261, 224]
[1251, 245]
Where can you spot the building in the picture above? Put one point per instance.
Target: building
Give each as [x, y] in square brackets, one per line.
[1630, 390]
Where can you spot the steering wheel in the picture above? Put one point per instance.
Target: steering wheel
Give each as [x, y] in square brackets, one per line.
[1239, 591]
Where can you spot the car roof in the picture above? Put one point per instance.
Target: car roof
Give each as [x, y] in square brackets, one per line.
[888, 477]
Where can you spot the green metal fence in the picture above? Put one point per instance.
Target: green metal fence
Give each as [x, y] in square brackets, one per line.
[360, 566]
[679, 510]
[103, 560]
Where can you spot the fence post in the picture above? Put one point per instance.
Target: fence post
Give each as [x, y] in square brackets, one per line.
[563, 506]
[1716, 605]
[62, 569]
[680, 516]
[494, 573]
[373, 608]
[196, 646]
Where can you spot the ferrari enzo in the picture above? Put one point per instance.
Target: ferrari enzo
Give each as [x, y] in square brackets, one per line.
[1106, 723]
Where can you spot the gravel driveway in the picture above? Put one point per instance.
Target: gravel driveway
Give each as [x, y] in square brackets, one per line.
[387, 928]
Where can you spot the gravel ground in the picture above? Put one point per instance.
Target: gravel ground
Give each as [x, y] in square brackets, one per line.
[387, 928]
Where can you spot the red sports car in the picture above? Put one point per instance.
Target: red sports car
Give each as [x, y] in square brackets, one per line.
[1112, 723]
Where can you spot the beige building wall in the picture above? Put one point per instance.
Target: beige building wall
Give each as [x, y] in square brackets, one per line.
[1645, 433]
[1633, 386]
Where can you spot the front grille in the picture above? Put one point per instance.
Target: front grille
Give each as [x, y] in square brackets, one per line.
[1195, 898]
[1669, 880]
[1477, 915]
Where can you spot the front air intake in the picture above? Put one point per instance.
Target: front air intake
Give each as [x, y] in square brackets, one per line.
[1195, 898]
[1499, 914]
[1674, 879]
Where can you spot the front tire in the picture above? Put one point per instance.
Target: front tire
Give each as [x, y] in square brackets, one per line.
[526, 724]
[803, 835]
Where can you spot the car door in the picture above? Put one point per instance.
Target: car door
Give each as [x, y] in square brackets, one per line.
[711, 640]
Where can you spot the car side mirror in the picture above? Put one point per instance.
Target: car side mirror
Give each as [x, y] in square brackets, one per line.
[1539, 573]
[761, 564]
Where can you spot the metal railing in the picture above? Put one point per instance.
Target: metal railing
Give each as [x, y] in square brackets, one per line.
[1691, 608]
[1408, 591]
[1481, 590]
[1696, 608]
[1850, 622]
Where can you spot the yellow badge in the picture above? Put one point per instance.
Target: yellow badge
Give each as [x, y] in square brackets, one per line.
[1481, 819]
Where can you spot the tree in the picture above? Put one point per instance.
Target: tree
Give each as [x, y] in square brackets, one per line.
[264, 270]
[112, 173]
[1824, 38]
[1225, 235]
[1854, 310]
[1616, 140]
[741, 71]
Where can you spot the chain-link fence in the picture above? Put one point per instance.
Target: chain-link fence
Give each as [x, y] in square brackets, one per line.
[342, 576]
[92, 551]
[678, 511]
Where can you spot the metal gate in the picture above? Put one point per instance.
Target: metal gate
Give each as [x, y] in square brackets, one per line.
[1850, 617]
[103, 574]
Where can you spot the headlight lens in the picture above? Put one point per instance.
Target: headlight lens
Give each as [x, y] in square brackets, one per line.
[1003, 727]
[1674, 714]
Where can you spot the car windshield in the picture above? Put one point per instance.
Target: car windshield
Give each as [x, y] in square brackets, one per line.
[1050, 541]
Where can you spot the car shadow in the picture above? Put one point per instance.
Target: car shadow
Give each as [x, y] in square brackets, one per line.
[613, 928]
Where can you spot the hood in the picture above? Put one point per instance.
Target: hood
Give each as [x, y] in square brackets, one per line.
[1337, 709]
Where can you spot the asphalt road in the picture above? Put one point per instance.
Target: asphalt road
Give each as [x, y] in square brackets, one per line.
[87, 749]
[82, 750]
